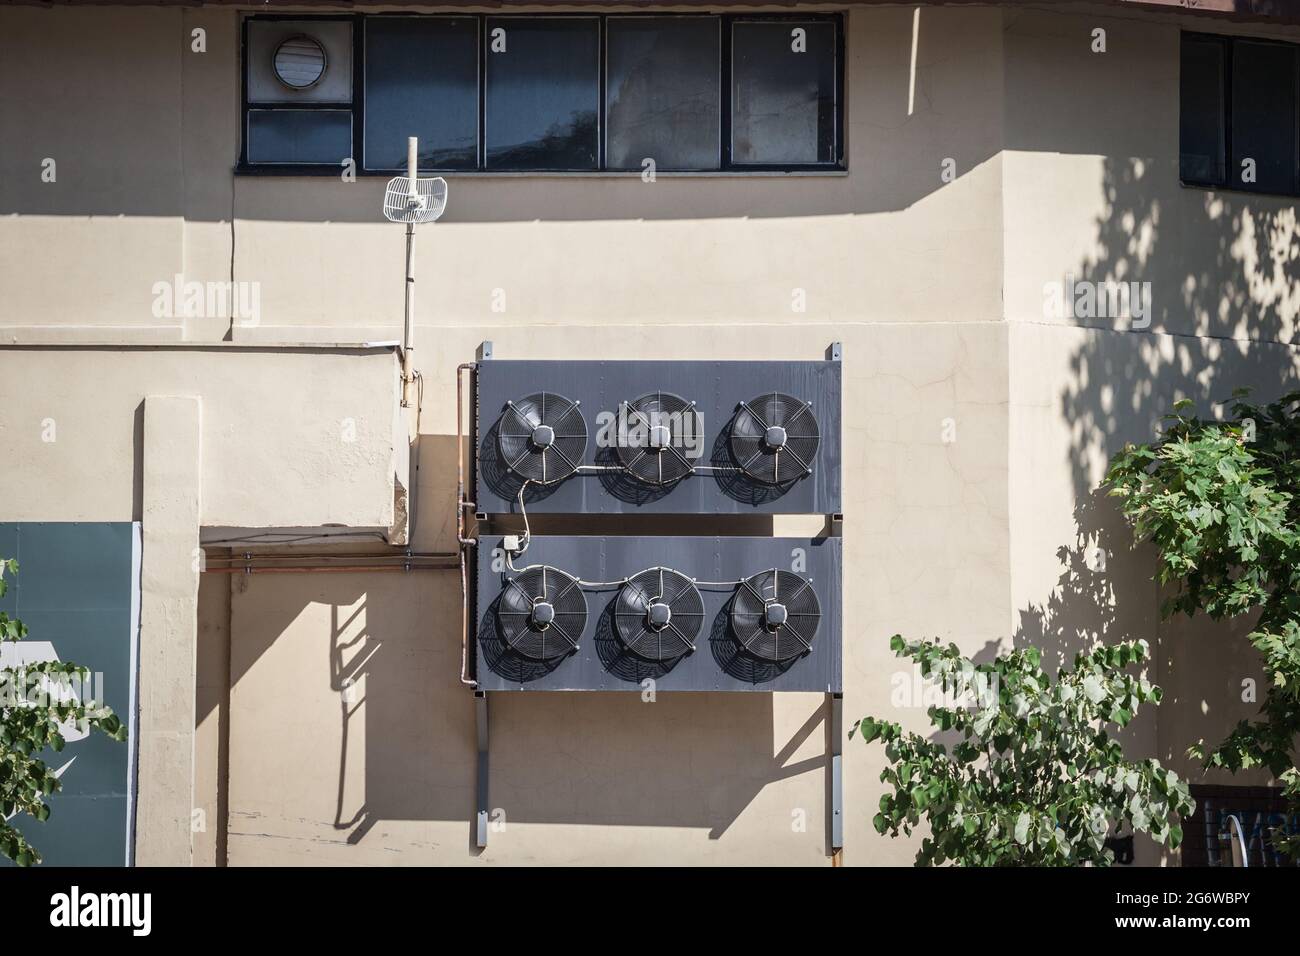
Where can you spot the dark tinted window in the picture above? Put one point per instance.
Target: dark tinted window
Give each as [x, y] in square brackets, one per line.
[783, 92]
[1264, 115]
[543, 92]
[299, 136]
[1201, 110]
[663, 100]
[421, 80]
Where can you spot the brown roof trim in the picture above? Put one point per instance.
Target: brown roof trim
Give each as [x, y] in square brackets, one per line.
[1269, 11]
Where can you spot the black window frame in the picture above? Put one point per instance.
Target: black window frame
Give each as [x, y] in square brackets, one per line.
[357, 107]
[1231, 181]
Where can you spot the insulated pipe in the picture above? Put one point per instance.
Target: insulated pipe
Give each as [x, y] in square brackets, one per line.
[413, 199]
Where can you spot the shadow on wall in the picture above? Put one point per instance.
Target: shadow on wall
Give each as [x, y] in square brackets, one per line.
[956, 115]
[1224, 274]
[386, 729]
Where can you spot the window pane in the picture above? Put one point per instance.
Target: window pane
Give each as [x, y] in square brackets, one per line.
[662, 96]
[1264, 115]
[543, 92]
[299, 136]
[422, 80]
[1201, 111]
[783, 92]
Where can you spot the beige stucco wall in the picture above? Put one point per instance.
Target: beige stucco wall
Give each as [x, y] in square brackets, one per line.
[302, 437]
[1090, 190]
[975, 425]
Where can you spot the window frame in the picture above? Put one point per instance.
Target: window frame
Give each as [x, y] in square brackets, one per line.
[725, 167]
[1228, 44]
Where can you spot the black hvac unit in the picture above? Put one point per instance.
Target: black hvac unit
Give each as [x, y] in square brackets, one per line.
[614, 437]
[609, 613]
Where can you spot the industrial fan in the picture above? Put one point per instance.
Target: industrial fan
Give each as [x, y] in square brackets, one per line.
[542, 613]
[774, 615]
[655, 431]
[774, 438]
[658, 613]
[543, 437]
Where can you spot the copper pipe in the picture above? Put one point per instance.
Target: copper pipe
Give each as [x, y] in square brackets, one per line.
[461, 503]
[249, 569]
[465, 679]
[339, 556]
[465, 542]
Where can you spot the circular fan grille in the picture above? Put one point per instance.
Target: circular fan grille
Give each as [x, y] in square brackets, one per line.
[775, 614]
[542, 613]
[658, 613]
[542, 437]
[660, 428]
[774, 438]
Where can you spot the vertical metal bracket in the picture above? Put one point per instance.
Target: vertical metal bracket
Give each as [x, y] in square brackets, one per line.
[835, 703]
[481, 787]
[834, 352]
[484, 352]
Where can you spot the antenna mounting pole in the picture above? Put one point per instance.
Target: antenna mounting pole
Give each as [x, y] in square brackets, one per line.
[408, 361]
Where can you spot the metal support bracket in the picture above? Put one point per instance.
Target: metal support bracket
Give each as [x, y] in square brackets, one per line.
[835, 703]
[481, 787]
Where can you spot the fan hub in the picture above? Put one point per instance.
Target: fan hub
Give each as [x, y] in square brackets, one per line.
[661, 437]
[658, 614]
[775, 437]
[774, 615]
[543, 436]
[543, 614]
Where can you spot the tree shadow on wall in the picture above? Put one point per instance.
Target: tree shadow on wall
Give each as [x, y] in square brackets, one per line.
[1224, 269]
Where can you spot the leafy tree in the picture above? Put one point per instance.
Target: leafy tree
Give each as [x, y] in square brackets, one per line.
[36, 700]
[1220, 500]
[1035, 778]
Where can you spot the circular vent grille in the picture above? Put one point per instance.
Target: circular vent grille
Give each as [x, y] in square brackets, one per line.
[661, 427]
[299, 62]
[542, 437]
[658, 614]
[775, 615]
[542, 613]
[774, 438]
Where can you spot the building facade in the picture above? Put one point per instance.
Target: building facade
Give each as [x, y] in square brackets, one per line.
[201, 307]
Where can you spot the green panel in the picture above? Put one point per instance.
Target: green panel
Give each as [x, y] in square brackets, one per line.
[77, 592]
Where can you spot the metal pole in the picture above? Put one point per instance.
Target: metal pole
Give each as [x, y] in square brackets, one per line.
[836, 722]
[408, 362]
[481, 783]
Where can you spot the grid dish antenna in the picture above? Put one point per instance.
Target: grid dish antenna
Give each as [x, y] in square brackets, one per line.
[411, 200]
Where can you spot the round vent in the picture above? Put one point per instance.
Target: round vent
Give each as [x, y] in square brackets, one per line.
[660, 429]
[658, 614]
[775, 614]
[774, 438]
[542, 613]
[299, 62]
[542, 437]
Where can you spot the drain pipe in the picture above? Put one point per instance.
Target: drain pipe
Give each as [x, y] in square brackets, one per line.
[462, 539]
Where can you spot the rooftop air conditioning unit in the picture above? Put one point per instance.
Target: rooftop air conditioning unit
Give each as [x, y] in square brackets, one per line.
[666, 437]
[609, 613]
